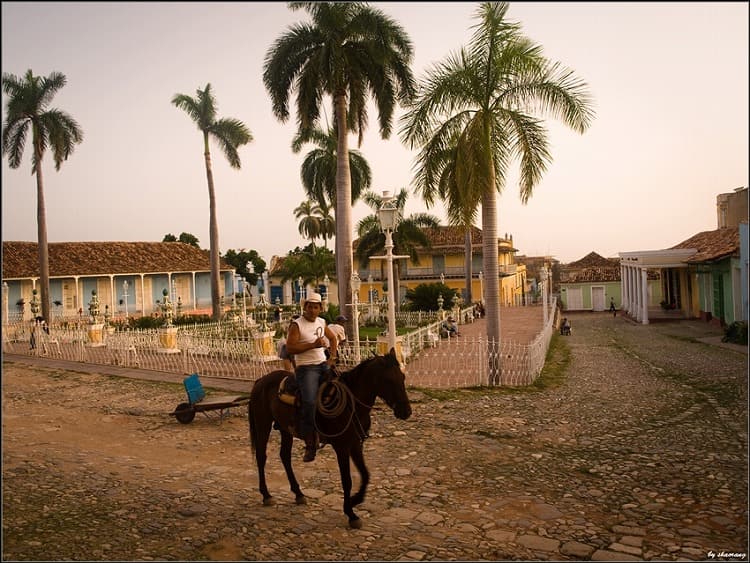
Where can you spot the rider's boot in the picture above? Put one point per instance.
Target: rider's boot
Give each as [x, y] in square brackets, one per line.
[311, 445]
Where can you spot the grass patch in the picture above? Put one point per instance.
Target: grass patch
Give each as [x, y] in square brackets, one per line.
[553, 374]
[555, 365]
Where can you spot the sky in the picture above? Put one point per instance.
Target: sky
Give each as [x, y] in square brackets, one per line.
[669, 83]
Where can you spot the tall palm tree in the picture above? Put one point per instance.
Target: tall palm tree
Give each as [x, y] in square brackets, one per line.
[408, 237]
[230, 134]
[28, 98]
[487, 96]
[318, 171]
[348, 52]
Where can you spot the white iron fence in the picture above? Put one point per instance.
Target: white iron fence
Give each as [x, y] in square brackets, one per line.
[430, 361]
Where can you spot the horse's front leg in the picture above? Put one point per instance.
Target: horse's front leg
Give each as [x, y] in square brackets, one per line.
[286, 459]
[359, 462]
[262, 432]
[342, 455]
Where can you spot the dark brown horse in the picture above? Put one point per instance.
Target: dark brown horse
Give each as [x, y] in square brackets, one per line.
[342, 420]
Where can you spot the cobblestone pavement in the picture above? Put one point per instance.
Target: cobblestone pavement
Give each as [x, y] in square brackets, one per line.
[639, 453]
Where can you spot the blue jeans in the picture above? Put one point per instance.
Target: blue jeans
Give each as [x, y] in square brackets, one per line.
[308, 379]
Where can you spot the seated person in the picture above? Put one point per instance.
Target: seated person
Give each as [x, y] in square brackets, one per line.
[450, 327]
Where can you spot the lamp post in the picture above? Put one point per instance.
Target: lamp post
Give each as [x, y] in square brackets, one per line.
[388, 215]
[299, 287]
[125, 286]
[481, 287]
[326, 283]
[356, 284]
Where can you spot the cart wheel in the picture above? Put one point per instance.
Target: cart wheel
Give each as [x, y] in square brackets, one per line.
[185, 413]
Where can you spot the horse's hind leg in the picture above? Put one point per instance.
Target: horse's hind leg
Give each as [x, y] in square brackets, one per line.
[342, 456]
[286, 460]
[359, 462]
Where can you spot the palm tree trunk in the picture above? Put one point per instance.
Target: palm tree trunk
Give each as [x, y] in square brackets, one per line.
[467, 264]
[213, 234]
[491, 279]
[343, 217]
[43, 249]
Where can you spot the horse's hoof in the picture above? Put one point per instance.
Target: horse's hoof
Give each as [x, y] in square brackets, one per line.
[356, 523]
[269, 501]
[301, 499]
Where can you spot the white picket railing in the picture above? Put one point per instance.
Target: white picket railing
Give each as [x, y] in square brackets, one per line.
[212, 350]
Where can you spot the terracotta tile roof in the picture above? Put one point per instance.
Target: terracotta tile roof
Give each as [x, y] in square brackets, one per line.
[591, 268]
[713, 245]
[103, 258]
[593, 260]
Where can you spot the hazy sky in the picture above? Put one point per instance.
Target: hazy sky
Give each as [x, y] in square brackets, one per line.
[669, 81]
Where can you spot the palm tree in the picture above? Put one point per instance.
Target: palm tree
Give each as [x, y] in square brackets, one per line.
[348, 52]
[230, 134]
[327, 224]
[445, 167]
[318, 172]
[28, 98]
[407, 238]
[308, 214]
[484, 98]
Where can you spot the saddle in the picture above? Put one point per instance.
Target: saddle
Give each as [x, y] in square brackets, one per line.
[289, 394]
[289, 391]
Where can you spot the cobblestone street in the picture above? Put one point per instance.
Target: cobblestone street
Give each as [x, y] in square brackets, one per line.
[640, 453]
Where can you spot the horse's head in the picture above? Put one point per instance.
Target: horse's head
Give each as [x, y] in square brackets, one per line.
[391, 386]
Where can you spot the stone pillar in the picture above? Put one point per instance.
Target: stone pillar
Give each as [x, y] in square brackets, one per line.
[623, 289]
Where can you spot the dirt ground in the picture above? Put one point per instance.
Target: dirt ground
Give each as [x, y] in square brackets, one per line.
[639, 453]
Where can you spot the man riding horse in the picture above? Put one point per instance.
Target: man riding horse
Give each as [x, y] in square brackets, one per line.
[307, 340]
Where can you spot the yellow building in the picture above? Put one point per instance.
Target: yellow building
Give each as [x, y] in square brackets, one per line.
[445, 262]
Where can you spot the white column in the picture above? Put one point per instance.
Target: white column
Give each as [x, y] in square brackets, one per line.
[633, 293]
[644, 295]
[629, 290]
[623, 289]
[638, 295]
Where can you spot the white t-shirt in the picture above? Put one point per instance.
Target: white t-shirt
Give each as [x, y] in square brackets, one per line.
[309, 332]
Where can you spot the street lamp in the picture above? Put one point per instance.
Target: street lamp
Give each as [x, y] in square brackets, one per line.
[125, 286]
[299, 286]
[356, 283]
[389, 217]
[326, 283]
[481, 287]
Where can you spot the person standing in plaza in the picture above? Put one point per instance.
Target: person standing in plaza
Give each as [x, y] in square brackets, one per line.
[612, 307]
[307, 340]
